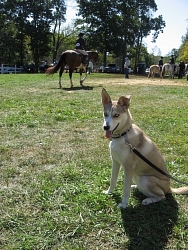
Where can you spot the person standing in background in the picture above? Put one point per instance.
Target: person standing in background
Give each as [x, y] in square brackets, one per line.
[186, 70]
[160, 63]
[181, 69]
[172, 62]
[126, 67]
[90, 67]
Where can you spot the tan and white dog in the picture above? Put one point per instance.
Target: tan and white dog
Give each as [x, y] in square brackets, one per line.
[119, 126]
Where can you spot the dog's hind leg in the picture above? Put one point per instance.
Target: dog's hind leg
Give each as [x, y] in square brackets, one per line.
[148, 201]
[153, 188]
[114, 177]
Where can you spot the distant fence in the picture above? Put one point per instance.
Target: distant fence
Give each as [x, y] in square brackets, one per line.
[10, 70]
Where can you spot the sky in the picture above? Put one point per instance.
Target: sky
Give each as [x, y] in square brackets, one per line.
[175, 14]
[71, 10]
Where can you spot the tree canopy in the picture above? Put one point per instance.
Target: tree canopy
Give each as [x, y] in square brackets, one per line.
[183, 51]
[118, 26]
[26, 28]
[32, 30]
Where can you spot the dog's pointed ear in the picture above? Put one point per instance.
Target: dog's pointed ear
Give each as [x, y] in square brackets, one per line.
[124, 101]
[105, 97]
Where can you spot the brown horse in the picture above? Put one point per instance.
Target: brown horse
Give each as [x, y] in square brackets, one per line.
[73, 60]
[153, 70]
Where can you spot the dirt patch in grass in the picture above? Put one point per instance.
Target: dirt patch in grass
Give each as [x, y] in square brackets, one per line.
[133, 80]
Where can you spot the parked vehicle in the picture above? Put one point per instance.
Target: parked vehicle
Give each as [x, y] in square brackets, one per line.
[112, 68]
[101, 69]
[147, 71]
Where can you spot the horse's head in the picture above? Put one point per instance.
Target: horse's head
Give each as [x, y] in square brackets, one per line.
[93, 56]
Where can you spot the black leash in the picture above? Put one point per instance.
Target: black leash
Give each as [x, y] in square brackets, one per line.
[133, 149]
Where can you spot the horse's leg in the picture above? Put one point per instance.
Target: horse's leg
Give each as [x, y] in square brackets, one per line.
[82, 80]
[81, 77]
[60, 75]
[70, 76]
[162, 72]
[171, 71]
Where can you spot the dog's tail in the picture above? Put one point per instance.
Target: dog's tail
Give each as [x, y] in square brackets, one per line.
[181, 190]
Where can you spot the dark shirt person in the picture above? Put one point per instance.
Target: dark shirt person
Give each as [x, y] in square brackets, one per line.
[186, 69]
[172, 63]
[81, 47]
[160, 63]
[181, 69]
[172, 60]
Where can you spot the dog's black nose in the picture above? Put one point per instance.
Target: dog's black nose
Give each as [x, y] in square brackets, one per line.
[106, 127]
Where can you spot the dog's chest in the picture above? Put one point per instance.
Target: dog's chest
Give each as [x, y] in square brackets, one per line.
[119, 150]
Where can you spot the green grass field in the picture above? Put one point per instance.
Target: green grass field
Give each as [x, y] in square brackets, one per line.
[55, 163]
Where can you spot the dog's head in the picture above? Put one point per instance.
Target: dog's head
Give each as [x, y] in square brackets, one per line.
[116, 114]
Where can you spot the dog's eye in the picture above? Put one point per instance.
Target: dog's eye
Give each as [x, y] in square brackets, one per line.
[116, 115]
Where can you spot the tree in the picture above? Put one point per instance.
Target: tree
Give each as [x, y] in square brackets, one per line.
[183, 50]
[38, 28]
[27, 26]
[58, 17]
[99, 22]
[15, 15]
[117, 26]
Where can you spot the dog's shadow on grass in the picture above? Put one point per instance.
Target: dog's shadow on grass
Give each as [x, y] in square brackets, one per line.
[149, 227]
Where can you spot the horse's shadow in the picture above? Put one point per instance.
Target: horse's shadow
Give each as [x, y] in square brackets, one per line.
[78, 88]
[149, 227]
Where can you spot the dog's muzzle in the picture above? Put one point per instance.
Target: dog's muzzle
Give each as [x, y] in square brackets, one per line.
[109, 132]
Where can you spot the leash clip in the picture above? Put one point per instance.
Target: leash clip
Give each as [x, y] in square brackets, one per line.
[129, 144]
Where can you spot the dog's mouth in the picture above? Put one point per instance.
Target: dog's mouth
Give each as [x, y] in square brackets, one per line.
[110, 132]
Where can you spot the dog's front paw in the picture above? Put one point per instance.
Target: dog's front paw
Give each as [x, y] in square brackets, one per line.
[122, 205]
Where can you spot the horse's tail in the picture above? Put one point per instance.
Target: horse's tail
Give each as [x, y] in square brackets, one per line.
[149, 74]
[54, 69]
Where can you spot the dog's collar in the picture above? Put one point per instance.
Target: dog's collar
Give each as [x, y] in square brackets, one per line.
[122, 134]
